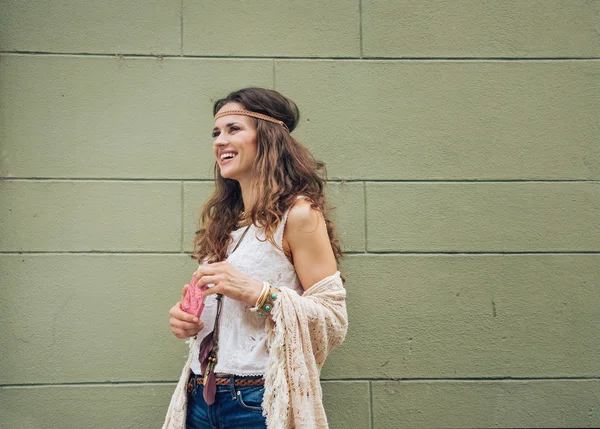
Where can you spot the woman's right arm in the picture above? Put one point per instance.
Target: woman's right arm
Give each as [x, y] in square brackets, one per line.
[183, 325]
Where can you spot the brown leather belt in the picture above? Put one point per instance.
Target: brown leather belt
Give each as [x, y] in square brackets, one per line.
[224, 380]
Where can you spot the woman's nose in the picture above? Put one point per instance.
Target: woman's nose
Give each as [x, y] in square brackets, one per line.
[220, 140]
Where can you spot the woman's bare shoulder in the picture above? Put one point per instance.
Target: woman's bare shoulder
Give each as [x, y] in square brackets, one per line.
[308, 240]
[303, 218]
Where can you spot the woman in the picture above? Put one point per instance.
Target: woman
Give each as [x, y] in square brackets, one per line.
[268, 248]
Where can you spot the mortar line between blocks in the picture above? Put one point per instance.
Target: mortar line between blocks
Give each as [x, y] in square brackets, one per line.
[181, 247]
[315, 58]
[348, 253]
[360, 29]
[365, 213]
[370, 380]
[181, 28]
[371, 403]
[208, 180]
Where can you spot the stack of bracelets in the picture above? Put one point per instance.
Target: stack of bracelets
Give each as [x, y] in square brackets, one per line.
[266, 300]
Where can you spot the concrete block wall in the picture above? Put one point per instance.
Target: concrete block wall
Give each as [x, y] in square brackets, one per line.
[462, 140]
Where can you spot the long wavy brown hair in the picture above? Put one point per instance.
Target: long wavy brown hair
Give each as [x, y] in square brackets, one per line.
[284, 168]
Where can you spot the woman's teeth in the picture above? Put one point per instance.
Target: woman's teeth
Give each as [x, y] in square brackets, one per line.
[227, 156]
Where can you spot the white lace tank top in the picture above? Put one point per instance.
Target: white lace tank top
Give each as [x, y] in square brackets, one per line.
[242, 336]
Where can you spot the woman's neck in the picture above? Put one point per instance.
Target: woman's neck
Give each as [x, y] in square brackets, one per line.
[248, 194]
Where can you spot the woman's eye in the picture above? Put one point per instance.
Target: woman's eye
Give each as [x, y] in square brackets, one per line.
[234, 128]
[215, 134]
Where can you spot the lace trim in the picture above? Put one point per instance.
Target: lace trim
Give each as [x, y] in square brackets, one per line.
[240, 373]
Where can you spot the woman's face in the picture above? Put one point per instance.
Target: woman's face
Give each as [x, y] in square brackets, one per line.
[235, 144]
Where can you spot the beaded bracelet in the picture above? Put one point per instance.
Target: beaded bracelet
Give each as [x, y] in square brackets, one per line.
[261, 297]
[266, 300]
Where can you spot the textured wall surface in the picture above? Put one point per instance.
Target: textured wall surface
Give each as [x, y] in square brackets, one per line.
[462, 140]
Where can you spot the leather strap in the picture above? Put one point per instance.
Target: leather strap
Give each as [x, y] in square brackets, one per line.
[209, 347]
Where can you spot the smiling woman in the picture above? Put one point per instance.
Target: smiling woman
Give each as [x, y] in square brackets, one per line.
[235, 138]
[276, 303]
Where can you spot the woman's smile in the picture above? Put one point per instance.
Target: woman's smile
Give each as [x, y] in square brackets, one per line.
[226, 157]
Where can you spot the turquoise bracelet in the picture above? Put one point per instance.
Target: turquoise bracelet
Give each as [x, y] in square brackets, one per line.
[265, 307]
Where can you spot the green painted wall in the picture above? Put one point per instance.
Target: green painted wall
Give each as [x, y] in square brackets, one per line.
[462, 140]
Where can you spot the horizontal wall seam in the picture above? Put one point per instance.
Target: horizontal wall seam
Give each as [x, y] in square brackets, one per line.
[467, 379]
[349, 253]
[315, 58]
[340, 181]
[459, 379]
[466, 252]
[91, 252]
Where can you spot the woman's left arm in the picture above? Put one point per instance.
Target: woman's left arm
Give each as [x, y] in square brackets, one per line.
[321, 310]
[306, 238]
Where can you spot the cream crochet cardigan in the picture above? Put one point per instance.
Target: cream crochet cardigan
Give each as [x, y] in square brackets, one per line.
[302, 332]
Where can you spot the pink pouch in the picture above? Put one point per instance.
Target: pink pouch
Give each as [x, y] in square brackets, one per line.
[193, 301]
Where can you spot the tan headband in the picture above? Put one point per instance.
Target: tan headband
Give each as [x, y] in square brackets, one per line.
[254, 115]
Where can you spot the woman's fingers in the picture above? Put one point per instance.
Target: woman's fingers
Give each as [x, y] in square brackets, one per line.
[208, 269]
[213, 290]
[183, 325]
[177, 313]
[186, 326]
[180, 317]
[185, 329]
[184, 334]
[208, 279]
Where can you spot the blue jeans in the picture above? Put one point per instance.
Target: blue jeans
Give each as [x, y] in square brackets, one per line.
[234, 407]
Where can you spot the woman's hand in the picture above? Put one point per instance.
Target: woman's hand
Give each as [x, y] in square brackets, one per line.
[184, 325]
[228, 281]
